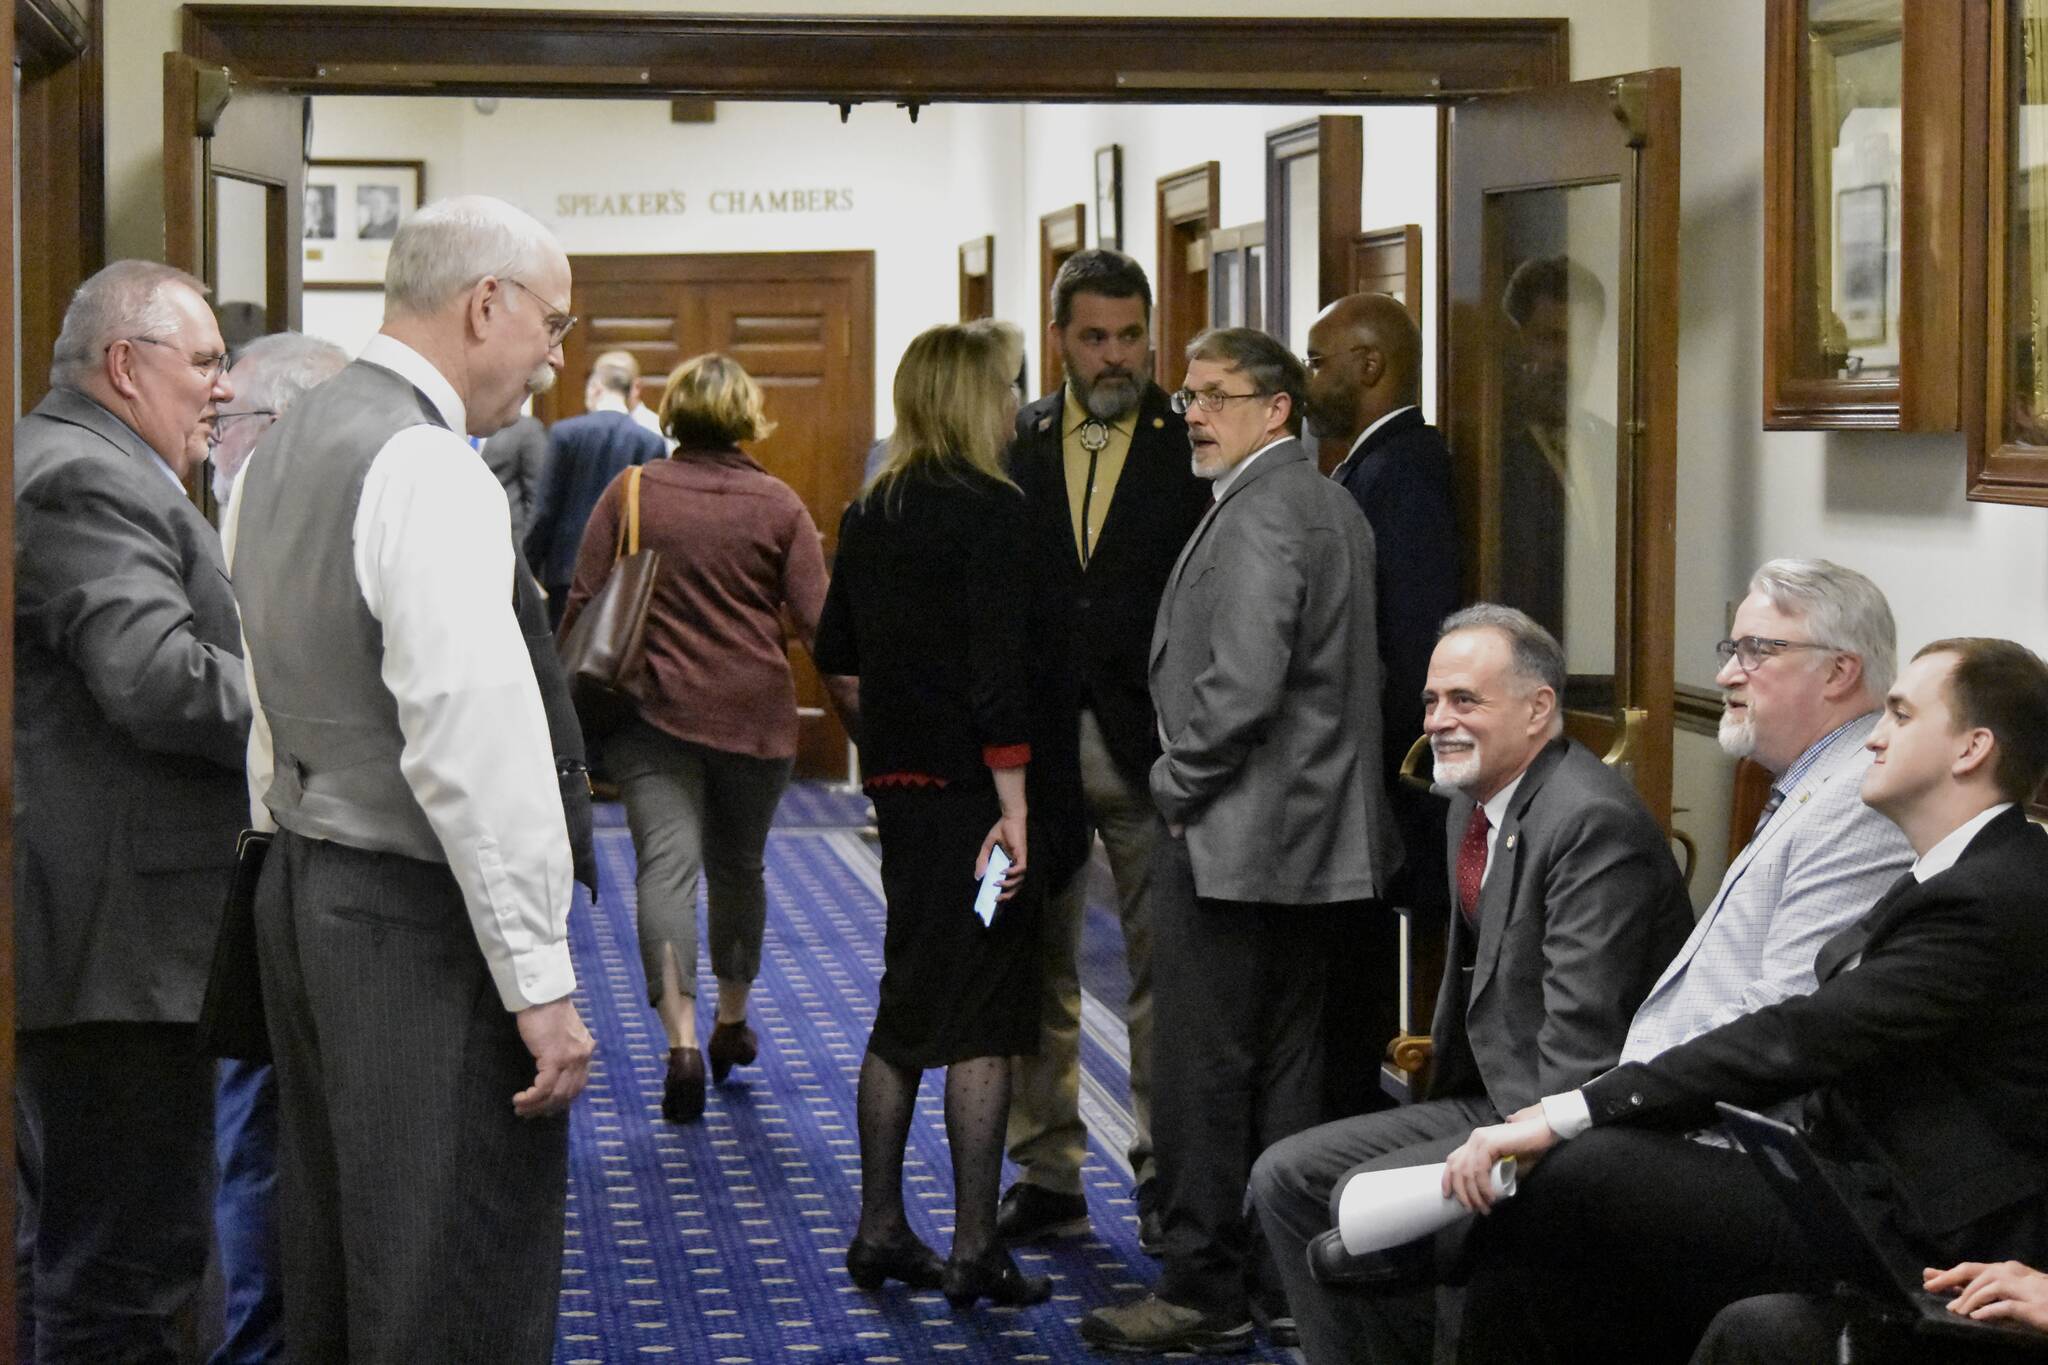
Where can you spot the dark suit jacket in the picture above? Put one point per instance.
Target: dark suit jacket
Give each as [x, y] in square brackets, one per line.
[1581, 909]
[585, 454]
[131, 725]
[1924, 1049]
[517, 455]
[572, 771]
[1401, 478]
[1107, 610]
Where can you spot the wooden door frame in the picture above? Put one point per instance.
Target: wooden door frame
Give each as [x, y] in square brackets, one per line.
[1069, 223]
[62, 154]
[1171, 306]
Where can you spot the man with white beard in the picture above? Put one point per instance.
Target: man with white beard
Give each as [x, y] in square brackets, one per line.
[1566, 905]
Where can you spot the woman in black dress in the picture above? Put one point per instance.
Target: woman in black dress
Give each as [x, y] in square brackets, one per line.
[930, 607]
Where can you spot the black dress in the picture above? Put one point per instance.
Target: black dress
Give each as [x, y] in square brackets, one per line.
[932, 606]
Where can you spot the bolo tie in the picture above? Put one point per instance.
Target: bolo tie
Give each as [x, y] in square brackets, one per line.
[1094, 436]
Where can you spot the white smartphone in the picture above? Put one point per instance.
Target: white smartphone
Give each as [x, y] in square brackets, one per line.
[991, 884]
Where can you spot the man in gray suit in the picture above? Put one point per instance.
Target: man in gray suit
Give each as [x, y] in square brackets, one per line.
[516, 456]
[412, 921]
[1566, 905]
[130, 721]
[1267, 686]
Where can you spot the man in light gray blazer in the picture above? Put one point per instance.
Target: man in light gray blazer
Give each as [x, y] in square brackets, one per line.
[1566, 904]
[1267, 683]
[130, 721]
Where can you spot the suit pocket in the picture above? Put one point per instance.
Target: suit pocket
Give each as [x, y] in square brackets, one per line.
[188, 848]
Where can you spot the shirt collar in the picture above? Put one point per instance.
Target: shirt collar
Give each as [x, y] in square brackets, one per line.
[1943, 855]
[1075, 415]
[1804, 764]
[165, 466]
[1366, 435]
[1222, 485]
[402, 360]
[1496, 806]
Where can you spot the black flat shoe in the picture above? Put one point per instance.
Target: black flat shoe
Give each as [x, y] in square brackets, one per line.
[872, 1264]
[995, 1277]
[682, 1094]
[730, 1045]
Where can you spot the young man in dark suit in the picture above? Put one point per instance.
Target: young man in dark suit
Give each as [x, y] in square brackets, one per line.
[1569, 904]
[1103, 464]
[1364, 383]
[1922, 1059]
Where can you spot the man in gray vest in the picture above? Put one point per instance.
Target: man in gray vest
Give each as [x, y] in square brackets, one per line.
[412, 919]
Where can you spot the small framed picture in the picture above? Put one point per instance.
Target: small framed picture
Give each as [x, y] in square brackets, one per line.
[1109, 197]
[353, 209]
[1862, 265]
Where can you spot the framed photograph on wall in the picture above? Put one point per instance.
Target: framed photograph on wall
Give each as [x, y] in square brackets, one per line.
[353, 209]
[1109, 197]
[1862, 267]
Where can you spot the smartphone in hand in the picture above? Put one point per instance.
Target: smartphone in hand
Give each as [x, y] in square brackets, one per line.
[991, 884]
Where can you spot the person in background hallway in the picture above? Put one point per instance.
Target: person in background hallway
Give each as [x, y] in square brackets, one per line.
[269, 375]
[130, 720]
[412, 919]
[1104, 468]
[1920, 1062]
[703, 767]
[1568, 905]
[517, 455]
[584, 455]
[640, 412]
[1274, 829]
[929, 610]
[1364, 383]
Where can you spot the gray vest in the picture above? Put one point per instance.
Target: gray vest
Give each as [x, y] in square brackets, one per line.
[316, 650]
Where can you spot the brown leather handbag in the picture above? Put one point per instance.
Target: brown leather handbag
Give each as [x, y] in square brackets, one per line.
[604, 651]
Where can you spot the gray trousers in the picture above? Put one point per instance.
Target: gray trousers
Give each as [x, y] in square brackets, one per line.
[422, 1218]
[694, 809]
[1047, 1139]
[1291, 1186]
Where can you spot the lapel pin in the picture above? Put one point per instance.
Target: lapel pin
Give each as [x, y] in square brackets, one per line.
[1804, 797]
[1158, 423]
[1511, 841]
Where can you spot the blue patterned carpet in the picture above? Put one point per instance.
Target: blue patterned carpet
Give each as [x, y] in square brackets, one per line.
[723, 1242]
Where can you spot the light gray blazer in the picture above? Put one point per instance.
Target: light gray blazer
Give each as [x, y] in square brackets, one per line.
[1266, 675]
[130, 723]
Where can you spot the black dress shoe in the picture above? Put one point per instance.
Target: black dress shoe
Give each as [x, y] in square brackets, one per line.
[682, 1094]
[730, 1045]
[1028, 1212]
[995, 1277]
[1151, 1219]
[1394, 1269]
[1276, 1320]
[872, 1264]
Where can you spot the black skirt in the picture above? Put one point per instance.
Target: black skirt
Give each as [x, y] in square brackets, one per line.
[952, 988]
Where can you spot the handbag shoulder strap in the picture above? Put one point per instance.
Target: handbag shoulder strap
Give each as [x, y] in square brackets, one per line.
[629, 525]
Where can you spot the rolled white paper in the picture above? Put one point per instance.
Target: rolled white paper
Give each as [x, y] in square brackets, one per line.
[1381, 1209]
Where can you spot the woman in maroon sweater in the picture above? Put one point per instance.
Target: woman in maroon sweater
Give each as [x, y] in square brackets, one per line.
[704, 765]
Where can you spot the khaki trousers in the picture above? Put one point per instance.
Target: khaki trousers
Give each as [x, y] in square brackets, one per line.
[1047, 1138]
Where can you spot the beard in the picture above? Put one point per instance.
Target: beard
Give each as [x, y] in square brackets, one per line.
[1459, 770]
[1737, 734]
[541, 380]
[1111, 395]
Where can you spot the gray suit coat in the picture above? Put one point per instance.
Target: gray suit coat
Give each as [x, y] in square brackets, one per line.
[517, 455]
[1581, 908]
[130, 722]
[1266, 677]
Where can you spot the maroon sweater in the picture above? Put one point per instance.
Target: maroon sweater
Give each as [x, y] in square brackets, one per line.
[737, 546]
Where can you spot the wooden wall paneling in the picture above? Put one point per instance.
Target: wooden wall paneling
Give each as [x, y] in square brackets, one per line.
[1388, 261]
[362, 50]
[8, 264]
[1061, 233]
[1188, 204]
[61, 154]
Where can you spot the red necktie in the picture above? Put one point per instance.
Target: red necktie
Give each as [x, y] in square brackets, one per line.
[1472, 865]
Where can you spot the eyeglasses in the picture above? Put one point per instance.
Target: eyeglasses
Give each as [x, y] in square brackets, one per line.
[1751, 650]
[223, 420]
[212, 365]
[557, 323]
[1208, 400]
[1315, 362]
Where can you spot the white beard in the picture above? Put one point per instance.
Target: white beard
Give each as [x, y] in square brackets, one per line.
[1737, 736]
[1456, 773]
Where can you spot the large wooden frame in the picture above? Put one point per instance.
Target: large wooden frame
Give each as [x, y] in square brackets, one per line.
[1927, 396]
[62, 163]
[1188, 204]
[1061, 233]
[1337, 142]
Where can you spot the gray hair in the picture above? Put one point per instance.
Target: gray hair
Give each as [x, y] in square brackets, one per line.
[452, 243]
[1842, 609]
[126, 299]
[1268, 364]
[1535, 655]
[273, 371]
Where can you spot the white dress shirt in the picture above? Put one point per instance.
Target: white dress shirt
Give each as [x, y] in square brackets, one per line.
[1351, 455]
[1496, 808]
[433, 560]
[1221, 484]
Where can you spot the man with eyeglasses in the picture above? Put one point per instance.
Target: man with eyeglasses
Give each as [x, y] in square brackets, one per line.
[585, 453]
[1275, 830]
[131, 716]
[1103, 463]
[412, 921]
[268, 374]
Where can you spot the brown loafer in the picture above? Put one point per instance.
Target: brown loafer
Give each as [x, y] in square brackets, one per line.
[682, 1094]
[730, 1045]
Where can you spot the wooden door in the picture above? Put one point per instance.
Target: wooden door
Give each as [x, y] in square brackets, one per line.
[1188, 209]
[802, 323]
[1388, 261]
[1061, 233]
[1561, 238]
[978, 278]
